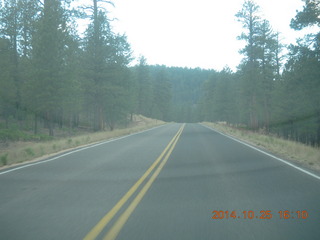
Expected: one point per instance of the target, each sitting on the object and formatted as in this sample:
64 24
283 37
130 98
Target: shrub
29 152
4 159
69 141
17 135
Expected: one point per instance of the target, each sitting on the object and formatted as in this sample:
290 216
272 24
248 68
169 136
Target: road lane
65 198
206 171
152 173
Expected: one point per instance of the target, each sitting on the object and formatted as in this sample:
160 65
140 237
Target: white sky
194 33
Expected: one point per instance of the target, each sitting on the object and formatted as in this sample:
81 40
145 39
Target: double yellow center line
119 223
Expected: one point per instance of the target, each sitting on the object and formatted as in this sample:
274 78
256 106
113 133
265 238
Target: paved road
164 183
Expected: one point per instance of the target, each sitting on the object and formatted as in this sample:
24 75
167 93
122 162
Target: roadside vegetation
299 153
30 149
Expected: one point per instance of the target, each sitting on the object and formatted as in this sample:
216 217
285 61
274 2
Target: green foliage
220 97
69 141
55 147
4 159
308 16
50 77
259 67
162 96
143 88
106 85
48 61
18 135
29 152
179 92
61 76
258 95
8 88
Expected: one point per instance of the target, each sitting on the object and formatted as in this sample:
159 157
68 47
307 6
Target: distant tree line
167 93
177 92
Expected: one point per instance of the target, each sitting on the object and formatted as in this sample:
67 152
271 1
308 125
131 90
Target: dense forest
52 76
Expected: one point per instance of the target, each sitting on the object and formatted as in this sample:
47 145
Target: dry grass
18 152
293 151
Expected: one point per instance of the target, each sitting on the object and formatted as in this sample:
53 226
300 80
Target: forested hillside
51 76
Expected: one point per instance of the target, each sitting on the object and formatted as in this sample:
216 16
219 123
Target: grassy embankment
295 152
15 152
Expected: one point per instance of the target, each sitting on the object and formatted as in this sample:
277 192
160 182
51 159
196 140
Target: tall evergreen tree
269 70
260 66
9 15
144 89
302 77
48 54
117 105
7 89
251 21
106 58
162 96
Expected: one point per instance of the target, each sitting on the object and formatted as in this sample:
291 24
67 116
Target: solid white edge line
77 150
268 154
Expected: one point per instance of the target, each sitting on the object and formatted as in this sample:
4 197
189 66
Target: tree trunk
35 124
50 123
266 114
50 128
318 130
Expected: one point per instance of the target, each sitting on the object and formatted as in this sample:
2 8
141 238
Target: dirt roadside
297 153
13 154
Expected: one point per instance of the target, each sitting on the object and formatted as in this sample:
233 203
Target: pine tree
259 68
251 21
302 76
269 70
106 58
144 89
7 89
117 105
9 30
48 54
162 96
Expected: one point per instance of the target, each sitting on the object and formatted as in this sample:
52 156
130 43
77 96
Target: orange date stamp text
263 214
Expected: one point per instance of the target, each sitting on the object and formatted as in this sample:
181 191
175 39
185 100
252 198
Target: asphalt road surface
178 181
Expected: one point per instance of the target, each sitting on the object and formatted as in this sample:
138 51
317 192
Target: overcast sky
194 33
